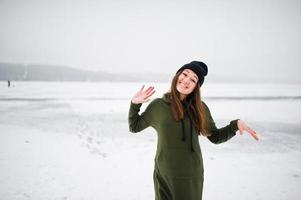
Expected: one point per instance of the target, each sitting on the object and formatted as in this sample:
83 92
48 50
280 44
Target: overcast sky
235 38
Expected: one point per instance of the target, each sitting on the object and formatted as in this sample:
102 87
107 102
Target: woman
179 117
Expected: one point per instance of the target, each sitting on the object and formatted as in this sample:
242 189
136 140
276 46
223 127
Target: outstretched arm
220 135
138 122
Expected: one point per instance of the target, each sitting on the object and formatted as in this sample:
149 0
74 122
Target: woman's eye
193 80
184 74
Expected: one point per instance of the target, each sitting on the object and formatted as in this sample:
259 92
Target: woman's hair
193 106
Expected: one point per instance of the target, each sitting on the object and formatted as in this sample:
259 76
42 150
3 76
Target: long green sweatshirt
178 173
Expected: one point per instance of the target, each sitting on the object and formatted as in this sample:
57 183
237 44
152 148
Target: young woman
179 117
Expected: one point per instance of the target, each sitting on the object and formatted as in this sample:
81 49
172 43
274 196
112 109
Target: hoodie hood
165 98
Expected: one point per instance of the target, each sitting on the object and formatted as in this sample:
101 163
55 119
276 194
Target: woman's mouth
183 85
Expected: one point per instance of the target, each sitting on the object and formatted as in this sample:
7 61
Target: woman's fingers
141 89
243 127
152 92
143 96
253 134
147 97
149 90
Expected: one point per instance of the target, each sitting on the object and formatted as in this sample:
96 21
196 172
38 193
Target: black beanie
199 68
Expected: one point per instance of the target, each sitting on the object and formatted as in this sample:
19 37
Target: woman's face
186 82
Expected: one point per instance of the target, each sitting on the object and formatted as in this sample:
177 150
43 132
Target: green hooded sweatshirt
179 172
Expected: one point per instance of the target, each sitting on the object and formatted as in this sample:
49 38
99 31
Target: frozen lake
71 141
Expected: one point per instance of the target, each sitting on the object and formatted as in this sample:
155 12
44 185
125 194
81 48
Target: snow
71 141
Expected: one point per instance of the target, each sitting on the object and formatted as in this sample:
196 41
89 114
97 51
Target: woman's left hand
243 127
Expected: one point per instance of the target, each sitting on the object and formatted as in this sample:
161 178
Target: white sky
239 38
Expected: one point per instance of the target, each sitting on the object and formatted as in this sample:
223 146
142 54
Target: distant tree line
36 72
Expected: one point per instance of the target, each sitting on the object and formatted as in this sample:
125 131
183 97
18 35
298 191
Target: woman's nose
186 81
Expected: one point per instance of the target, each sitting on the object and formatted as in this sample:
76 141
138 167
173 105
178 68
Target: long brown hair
193 106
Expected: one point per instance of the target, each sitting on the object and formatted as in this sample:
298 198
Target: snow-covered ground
71 141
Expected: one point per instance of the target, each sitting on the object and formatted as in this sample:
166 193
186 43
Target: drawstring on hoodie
190 122
183 130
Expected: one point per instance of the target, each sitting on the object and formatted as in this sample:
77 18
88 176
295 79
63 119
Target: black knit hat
198 67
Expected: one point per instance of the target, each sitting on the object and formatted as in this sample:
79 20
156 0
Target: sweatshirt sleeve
139 122
219 135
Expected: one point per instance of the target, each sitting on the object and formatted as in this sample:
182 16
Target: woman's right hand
143 96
